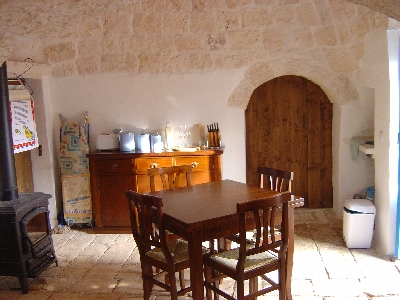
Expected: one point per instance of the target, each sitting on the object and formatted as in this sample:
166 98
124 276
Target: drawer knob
114 166
194 164
153 165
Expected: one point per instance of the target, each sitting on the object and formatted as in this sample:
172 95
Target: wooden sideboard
114 172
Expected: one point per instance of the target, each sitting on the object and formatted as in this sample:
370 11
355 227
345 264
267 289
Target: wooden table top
203 205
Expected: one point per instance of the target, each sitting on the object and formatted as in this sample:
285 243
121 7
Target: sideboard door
114 206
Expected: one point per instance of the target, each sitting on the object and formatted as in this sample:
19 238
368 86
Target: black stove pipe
8 177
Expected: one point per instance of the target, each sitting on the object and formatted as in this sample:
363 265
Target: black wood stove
26 245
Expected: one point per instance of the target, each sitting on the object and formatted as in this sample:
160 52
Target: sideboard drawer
199 163
115 166
143 164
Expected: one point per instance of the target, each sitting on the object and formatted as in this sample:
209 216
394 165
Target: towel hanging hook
21 78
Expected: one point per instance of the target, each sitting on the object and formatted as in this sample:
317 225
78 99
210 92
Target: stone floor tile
129 271
78 243
381 286
304 244
338 287
102 271
362 297
329 241
88 285
310 216
66 254
86 258
302 230
335 253
52 284
60 240
65 295
132 285
92 296
308 265
76 270
342 270
323 230
134 258
125 238
302 287
394 297
105 239
96 249
114 258
53 270
295 297
135 297
32 295
127 247
380 269
169 298
84 234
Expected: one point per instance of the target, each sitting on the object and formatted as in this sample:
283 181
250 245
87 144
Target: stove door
32 235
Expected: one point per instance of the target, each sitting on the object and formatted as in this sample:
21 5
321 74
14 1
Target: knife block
214 139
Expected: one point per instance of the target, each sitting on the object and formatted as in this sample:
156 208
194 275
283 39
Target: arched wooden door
289 127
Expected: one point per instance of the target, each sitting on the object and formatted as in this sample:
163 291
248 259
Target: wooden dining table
207 211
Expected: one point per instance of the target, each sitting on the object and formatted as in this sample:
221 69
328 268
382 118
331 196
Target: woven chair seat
229 259
251 235
178 248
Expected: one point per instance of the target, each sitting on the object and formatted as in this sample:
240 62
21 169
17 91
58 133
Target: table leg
196 265
289 266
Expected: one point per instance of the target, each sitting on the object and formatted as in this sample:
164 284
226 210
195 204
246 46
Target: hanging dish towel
354 144
23 125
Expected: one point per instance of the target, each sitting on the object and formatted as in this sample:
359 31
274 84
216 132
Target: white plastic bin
358 223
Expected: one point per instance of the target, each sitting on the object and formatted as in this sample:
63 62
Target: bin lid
360 205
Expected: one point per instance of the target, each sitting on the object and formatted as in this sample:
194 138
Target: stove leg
24 284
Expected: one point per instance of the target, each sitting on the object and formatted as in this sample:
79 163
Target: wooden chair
154 249
171 177
275 179
269 178
251 260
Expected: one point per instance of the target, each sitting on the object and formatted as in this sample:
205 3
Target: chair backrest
171 176
265 215
275 179
146 222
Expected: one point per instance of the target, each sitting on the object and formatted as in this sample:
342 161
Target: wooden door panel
289 127
320 148
23 171
314 152
274 121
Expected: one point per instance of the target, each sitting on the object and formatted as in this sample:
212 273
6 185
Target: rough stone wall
320 38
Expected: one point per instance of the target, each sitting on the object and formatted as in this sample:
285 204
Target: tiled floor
95 265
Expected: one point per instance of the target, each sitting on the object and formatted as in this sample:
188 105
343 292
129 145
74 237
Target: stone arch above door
339 87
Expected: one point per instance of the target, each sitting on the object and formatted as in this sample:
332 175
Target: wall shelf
367 149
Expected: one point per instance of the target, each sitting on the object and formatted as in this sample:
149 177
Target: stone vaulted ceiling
66 34
48 17
391 8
